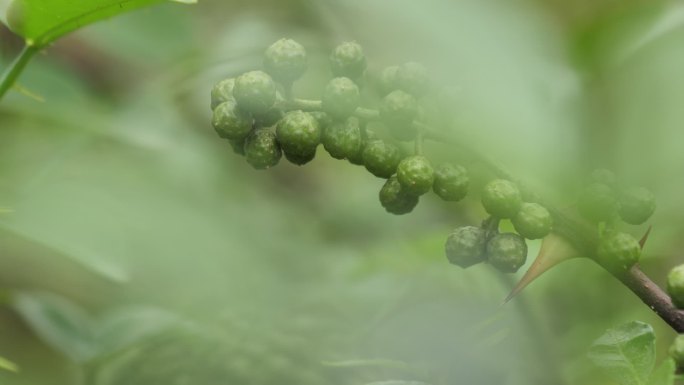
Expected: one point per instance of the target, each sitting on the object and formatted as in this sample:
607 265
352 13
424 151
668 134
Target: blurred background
136 248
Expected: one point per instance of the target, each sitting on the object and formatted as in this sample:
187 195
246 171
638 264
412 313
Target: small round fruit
387 80
533 221
604 176
285 60
501 198
347 59
415 174
507 252
451 182
677 351
341 98
675 286
343 139
300 159
597 202
465 246
398 110
412 77
222 92
230 122
262 149
381 158
255 92
394 199
636 205
618 251
298 133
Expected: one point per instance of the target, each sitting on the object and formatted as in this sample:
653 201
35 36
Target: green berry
238 145
347 59
507 252
451 182
230 122
395 199
597 202
298 133
675 286
501 198
300 159
677 351
412 78
465 246
341 98
415 174
367 135
285 60
262 149
533 221
268 118
255 92
387 80
222 92
619 250
398 110
604 176
343 139
381 158
636 205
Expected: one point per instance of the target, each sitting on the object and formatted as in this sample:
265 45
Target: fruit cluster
469 245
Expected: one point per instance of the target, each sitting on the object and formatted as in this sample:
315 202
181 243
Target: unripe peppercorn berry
387 80
238 145
300 159
343 139
415 174
636 205
222 92
347 59
533 221
341 98
675 286
381 158
298 133
398 110
285 60
367 135
501 198
230 122
618 251
507 252
597 202
395 199
262 149
451 182
413 78
255 92
465 246
677 351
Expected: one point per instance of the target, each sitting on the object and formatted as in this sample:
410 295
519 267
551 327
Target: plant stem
582 236
9 77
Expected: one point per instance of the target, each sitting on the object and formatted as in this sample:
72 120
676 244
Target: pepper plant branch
11 74
578 233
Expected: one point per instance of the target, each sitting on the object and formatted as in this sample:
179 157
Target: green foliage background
120 197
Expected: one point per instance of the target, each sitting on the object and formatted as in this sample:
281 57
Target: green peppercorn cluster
262 121
507 252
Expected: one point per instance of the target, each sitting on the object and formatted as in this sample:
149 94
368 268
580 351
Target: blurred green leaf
43 21
626 353
665 374
8 365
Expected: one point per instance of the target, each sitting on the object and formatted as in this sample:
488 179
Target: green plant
404 117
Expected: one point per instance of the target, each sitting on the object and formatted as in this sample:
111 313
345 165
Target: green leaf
626 353
41 22
665 374
8 365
